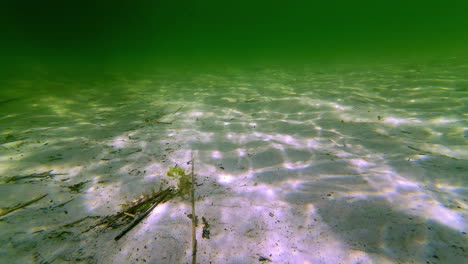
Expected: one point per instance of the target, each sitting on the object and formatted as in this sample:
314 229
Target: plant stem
194 216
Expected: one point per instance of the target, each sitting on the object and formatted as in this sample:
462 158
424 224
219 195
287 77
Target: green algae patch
184 180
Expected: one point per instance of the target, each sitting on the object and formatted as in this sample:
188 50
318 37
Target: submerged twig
5 211
128 215
79 221
62 204
194 216
160 115
161 122
158 200
41 175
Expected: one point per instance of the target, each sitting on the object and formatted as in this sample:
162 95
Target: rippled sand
340 164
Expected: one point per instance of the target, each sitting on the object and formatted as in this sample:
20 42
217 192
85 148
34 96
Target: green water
90 38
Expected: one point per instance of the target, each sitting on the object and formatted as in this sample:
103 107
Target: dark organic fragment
5 211
40 176
77 187
206 229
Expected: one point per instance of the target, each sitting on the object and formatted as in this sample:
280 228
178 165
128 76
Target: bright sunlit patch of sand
196 114
280 138
225 178
278 146
446 217
75 171
290 140
231 100
360 163
293 184
119 142
358 256
407 195
216 154
443 120
310 209
266 191
312 143
337 106
241 152
401 182
453 189
400 121
296 165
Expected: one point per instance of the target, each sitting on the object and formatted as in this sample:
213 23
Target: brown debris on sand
5 211
40 176
135 213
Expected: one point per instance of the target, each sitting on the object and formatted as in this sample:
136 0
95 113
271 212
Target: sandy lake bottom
343 164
